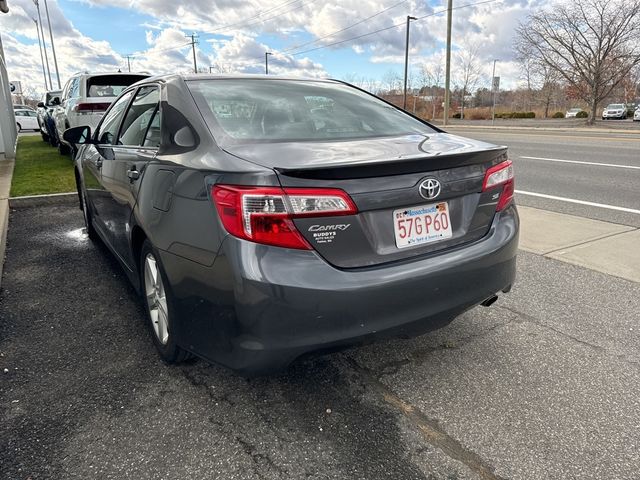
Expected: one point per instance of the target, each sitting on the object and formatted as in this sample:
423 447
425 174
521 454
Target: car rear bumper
259 307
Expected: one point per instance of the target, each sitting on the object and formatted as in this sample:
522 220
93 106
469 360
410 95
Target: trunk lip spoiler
414 164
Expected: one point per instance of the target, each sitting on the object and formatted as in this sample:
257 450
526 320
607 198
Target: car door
97 158
135 147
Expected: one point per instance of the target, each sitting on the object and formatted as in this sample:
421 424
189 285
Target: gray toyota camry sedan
263 218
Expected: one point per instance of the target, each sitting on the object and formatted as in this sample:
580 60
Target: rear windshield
110 85
254 110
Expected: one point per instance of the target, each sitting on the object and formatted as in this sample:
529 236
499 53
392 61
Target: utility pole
53 48
128 62
44 73
447 75
266 62
193 47
494 87
406 63
44 43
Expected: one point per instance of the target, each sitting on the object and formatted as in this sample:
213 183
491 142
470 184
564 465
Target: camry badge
429 188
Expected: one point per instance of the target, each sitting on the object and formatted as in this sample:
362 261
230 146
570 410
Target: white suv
85 97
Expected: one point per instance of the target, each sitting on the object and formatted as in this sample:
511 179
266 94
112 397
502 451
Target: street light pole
406 63
447 81
266 62
44 73
53 48
494 88
44 43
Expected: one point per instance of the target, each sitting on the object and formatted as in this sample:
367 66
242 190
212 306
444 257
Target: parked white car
615 110
572 112
26 120
636 115
85 97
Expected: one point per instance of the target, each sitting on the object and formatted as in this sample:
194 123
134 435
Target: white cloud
230 28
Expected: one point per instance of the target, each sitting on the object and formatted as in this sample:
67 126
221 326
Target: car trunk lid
383 177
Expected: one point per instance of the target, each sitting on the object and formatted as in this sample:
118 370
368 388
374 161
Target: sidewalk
605 247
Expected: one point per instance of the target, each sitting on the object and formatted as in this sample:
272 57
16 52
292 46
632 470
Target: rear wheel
158 305
19 127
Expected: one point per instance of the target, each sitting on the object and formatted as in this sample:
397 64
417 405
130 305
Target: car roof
206 76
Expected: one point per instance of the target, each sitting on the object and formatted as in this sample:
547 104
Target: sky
313 38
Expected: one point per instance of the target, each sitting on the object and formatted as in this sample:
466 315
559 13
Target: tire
86 213
63 149
53 141
156 299
19 127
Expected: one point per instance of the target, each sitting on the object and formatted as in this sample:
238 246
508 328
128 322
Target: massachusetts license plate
422 224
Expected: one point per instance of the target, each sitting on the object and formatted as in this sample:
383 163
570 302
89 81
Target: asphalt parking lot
544 384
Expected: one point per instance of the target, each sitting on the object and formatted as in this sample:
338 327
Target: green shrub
457 115
530 115
582 114
558 115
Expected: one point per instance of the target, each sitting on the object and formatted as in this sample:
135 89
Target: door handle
133 174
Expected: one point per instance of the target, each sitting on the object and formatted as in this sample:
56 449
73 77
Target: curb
546 129
29 201
6 173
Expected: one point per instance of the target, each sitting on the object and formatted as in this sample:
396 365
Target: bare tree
432 75
591 44
392 81
468 74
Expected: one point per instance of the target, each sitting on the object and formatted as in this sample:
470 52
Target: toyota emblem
430 188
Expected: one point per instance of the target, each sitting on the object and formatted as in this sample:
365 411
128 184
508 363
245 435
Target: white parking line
631 167
580 202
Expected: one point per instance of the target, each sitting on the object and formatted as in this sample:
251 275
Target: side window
74 89
65 91
108 129
140 117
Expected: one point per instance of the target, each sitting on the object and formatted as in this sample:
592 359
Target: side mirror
77 135
55 101
40 104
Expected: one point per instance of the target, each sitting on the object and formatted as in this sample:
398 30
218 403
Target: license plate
422 224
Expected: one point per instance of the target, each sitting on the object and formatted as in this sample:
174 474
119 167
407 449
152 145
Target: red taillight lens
500 174
91 107
265 214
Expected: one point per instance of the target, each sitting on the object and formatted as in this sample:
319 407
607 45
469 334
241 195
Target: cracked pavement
544 384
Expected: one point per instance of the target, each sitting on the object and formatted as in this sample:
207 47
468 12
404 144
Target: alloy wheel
156 299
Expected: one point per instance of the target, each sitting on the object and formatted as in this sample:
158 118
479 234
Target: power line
345 28
392 26
144 54
262 20
243 22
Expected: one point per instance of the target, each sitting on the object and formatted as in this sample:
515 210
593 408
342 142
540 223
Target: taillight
500 174
265 214
91 107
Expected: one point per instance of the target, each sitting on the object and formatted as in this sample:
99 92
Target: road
543 384
542 166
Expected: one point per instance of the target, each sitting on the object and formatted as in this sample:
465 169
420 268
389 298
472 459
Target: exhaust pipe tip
489 301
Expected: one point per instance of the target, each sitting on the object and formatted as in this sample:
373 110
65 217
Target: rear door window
140 117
